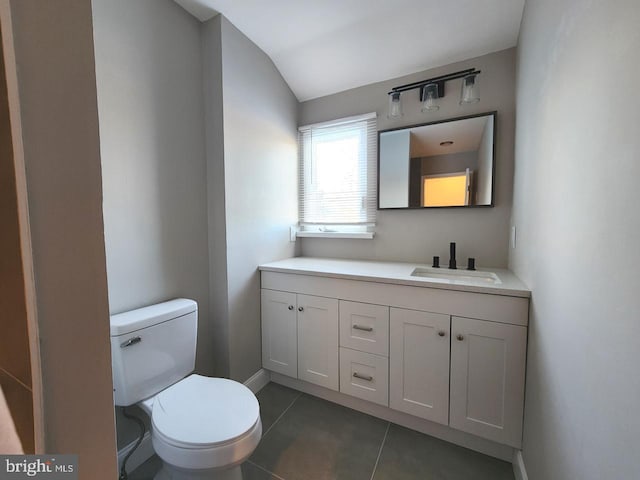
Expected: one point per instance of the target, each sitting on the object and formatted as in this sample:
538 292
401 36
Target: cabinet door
279 332
487 379
419 364
364 327
318 341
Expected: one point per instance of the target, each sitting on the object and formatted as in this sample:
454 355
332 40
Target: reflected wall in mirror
442 164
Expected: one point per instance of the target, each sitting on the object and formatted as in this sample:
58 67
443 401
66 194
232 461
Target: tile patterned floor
306 438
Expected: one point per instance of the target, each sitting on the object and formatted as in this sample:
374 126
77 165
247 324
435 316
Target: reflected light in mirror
445 191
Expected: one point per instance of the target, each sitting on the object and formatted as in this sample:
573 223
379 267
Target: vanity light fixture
395 104
429 95
469 93
432 89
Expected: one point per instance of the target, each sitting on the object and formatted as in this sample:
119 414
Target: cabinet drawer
364 375
364 327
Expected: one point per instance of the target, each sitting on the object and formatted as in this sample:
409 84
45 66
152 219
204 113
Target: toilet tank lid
127 322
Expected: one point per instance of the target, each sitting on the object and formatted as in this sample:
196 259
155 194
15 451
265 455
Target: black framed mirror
444 164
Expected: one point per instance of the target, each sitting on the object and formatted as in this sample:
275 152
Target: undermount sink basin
458 276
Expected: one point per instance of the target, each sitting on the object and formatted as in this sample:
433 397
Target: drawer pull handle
290 307
368 378
460 337
363 328
300 309
441 333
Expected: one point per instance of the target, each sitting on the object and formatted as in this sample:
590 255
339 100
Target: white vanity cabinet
487 378
279 332
364 375
318 341
364 351
364 327
300 336
426 355
419 356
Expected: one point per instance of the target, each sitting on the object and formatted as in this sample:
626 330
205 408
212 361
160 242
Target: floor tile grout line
281 415
384 439
265 470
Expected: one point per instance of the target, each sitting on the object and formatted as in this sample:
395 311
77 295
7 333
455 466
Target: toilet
201 427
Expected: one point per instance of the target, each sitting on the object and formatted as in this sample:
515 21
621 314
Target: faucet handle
436 261
452 256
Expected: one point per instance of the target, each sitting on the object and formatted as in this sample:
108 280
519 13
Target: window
338 176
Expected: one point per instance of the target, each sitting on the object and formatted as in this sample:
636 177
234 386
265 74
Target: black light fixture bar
437 80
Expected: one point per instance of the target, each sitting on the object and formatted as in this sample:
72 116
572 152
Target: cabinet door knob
441 333
460 337
290 307
300 309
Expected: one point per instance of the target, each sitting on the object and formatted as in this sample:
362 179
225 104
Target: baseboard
143 453
518 466
443 432
258 380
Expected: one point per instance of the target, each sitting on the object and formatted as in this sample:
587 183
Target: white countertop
395 273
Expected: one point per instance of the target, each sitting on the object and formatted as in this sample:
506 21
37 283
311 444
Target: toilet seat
203 422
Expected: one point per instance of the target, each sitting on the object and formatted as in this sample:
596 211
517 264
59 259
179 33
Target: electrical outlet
513 237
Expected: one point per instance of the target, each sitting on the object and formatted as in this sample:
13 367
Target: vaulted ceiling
325 46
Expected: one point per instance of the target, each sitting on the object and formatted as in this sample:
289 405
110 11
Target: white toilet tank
151 348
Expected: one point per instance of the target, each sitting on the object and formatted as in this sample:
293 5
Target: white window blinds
338 172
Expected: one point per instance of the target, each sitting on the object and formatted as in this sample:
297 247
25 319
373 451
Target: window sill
356 235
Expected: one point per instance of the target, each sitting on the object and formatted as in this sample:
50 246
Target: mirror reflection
443 164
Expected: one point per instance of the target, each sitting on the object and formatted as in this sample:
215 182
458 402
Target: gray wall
259 164
450 163
149 79
211 38
260 150
149 82
415 236
578 231
59 120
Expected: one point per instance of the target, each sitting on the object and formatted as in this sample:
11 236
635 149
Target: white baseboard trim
258 380
518 466
143 453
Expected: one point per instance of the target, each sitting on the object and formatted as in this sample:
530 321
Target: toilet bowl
202 428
